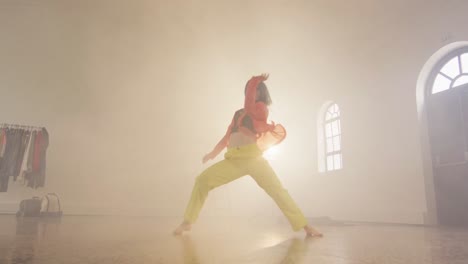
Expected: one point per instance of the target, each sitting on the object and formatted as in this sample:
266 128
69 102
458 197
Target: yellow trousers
238 162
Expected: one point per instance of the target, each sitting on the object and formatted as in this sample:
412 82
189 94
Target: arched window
452 74
330 155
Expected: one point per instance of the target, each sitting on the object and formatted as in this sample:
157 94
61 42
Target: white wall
135 92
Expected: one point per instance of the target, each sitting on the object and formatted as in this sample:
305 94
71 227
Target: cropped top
252 121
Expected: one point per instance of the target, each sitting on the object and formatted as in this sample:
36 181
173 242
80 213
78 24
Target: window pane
452 68
337 161
464 60
335 130
329 145
337 143
337 109
328 130
460 81
330 162
441 83
332 112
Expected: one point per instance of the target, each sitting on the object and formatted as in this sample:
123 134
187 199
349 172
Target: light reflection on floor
149 240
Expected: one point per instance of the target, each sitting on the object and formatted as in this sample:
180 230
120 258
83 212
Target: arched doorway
445 110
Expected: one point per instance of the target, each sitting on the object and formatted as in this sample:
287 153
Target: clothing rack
23 155
26 127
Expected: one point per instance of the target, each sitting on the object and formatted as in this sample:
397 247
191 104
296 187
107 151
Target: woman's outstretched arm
220 146
257 110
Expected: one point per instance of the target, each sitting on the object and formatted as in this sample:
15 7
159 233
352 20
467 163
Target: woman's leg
216 175
266 178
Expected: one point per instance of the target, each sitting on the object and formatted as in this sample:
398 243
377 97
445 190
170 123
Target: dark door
448 131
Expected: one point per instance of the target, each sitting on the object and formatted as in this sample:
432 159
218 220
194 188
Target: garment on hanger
36 176
24 164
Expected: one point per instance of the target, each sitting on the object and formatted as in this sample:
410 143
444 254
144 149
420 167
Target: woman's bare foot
311 232
182 228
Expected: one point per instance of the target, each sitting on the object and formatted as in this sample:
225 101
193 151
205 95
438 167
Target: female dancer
247 137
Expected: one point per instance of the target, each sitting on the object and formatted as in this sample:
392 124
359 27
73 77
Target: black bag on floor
30 207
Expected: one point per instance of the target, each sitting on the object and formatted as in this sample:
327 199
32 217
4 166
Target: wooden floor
148 240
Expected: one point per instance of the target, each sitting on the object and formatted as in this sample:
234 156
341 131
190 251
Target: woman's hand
262 77
206 158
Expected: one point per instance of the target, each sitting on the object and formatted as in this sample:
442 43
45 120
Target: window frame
325 121
439 66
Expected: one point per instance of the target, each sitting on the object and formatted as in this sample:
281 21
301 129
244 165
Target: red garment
2 142
266 135
36 164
